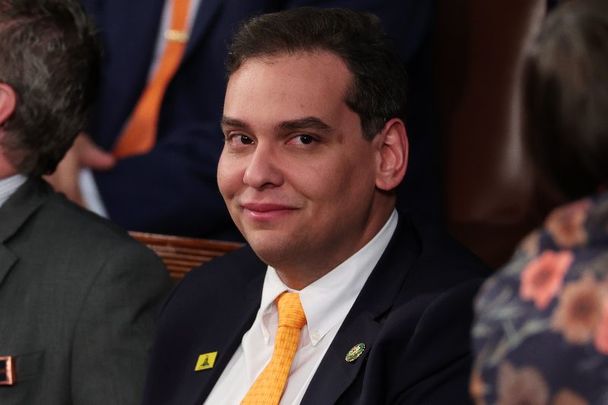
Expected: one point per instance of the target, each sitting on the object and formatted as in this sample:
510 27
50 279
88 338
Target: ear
393 149
8 99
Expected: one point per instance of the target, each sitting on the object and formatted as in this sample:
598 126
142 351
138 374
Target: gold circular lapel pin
355 352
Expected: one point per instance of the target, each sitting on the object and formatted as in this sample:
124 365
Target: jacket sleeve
437 362
114 329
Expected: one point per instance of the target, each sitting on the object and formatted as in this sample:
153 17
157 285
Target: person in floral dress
541 329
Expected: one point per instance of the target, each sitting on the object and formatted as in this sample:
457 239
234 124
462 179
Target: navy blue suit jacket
413 315
173 188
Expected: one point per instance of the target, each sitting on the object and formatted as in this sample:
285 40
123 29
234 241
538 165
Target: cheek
337 182
227 175
356 183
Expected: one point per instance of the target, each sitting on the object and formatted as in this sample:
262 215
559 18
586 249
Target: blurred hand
83 154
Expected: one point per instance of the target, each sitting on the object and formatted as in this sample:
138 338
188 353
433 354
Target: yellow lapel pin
205 361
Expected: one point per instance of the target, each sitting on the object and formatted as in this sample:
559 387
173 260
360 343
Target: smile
266 211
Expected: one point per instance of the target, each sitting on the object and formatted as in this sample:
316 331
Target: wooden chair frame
181 254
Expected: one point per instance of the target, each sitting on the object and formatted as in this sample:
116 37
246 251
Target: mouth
266 211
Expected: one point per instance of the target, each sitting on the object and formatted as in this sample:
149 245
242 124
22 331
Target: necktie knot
291 313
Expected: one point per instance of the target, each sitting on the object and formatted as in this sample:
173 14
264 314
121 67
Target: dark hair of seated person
565 104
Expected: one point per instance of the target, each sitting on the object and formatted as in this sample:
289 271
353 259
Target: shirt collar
9 185
326 302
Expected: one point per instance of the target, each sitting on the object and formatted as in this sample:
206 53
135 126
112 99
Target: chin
272 251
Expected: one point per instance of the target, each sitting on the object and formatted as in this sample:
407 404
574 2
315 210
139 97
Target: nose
263 169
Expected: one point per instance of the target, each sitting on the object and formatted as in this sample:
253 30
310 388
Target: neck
299 280
6 168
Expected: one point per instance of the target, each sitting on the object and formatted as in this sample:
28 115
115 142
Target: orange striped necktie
270 384
139 134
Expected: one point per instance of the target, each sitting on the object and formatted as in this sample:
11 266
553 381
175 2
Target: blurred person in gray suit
77 295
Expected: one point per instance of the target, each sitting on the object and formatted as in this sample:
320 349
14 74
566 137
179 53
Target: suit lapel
141 25
364 320
14 213
335 374
244 318
129 30
204 17
7 259
231 321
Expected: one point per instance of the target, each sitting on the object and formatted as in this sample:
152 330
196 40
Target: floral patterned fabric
541 329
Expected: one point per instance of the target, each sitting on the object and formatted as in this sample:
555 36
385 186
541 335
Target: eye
237 139
245 140
302 139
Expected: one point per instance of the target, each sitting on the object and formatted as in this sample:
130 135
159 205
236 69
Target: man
315 145
76 293
171 188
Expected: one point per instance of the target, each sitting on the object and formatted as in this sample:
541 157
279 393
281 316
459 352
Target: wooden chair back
181 254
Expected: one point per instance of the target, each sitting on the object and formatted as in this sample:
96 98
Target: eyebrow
233 122
290 125
305 123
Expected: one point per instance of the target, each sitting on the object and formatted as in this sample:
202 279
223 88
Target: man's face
296 173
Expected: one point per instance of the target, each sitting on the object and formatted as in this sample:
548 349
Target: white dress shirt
88 188
326 302
9 185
